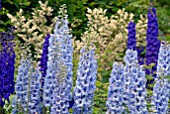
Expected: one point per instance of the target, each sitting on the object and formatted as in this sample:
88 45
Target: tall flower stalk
20 102
161 88
135 83
44 58
131 42
60 51
115 102
85 83
153 43
60 102
35 103
28 86
7 61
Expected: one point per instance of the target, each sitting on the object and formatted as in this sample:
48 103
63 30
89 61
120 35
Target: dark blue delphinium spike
153 43
7 61
141 56
131 42
44 58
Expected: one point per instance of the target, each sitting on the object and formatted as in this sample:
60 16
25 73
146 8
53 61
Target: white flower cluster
33 29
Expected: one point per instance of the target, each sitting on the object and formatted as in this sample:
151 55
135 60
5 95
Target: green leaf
99 83
149 77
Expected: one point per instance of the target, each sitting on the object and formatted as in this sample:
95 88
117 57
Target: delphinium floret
114 102
85 83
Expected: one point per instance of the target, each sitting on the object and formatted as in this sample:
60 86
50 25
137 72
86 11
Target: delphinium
20 102
43 62
60 102
60 50
153 44
131 41
62 29
7 61
114 102
134 85
161 90
85 83
35 103
44 58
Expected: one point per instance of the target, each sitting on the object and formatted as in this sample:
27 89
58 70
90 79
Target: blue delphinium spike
7 61
60 100
60 50
131 42
161 90
52 66
35 103
114 102
85 83
153 43
135 82
21 87
44 58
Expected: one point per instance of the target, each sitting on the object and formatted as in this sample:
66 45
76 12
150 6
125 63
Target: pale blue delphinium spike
161 90
60 104
135 83
20 103
52 65
35 104
60 51
114 102
85 83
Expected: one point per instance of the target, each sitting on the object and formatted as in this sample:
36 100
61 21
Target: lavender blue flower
135 83
60 104
131 42
161 88
35 104
85 83
21 87
153 43
27 89
52 67
115 102
60 50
